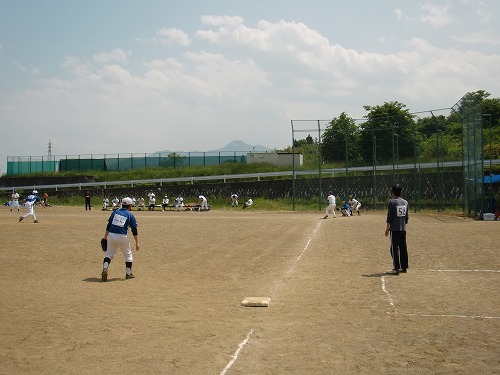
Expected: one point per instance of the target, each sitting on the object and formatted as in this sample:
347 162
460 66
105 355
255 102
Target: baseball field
332 308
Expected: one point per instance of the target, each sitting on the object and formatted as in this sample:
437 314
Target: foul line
274 290
497 271
292 268
391 301
454 316
236 354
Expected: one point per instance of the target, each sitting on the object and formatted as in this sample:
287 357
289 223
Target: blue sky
137 77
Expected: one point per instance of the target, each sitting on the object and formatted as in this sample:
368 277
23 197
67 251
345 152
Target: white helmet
35 191
127 201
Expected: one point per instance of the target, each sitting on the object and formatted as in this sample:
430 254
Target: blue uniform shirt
32 198
120 220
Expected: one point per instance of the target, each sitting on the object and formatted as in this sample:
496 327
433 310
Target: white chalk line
453 316
237 353
494 271
292 268
391 301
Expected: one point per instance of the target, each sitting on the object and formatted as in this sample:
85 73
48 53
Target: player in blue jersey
116 236
30 203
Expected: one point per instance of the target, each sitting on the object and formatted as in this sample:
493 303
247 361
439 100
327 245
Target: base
256 302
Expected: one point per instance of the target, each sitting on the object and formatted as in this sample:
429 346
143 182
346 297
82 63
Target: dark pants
399 251
87 204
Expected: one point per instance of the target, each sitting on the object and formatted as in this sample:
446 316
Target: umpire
397 218
116 238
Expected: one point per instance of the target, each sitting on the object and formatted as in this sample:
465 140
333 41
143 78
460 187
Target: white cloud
487 37
484 14
170 37
117 55
436 15
401 17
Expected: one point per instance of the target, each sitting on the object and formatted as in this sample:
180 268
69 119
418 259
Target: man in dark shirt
397 218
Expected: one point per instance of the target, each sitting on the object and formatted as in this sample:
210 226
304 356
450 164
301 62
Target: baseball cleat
20 219
127 276
35 221
393 272
104 274
403 270
326 217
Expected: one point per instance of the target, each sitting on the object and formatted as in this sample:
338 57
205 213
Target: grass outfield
332 309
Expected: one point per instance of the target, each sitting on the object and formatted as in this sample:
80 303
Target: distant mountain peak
236 146
241 146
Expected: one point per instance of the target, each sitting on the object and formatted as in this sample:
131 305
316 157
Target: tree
307 147
340 134
392 128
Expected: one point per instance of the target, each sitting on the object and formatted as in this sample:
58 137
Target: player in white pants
203 203
234 200
249 202
179 203
355 204
116 234
15 202
332 206
30 206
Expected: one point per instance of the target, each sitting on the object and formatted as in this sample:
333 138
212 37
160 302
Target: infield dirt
332 309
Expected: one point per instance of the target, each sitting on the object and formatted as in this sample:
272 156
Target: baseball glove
104 244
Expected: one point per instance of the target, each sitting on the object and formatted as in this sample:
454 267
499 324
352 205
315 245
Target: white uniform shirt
331 200
152 198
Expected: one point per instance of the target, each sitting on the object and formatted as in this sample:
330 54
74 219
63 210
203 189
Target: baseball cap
127 201
35 191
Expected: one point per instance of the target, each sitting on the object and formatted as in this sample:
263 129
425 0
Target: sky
123 76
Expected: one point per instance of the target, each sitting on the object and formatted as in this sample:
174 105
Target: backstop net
469 110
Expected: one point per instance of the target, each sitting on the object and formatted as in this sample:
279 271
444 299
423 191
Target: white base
256 302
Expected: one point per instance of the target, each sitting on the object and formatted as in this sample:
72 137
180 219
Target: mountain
242 146
239 147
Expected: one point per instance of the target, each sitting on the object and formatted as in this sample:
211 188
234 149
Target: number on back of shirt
119 220
401 211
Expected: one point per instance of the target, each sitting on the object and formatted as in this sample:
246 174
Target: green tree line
389 131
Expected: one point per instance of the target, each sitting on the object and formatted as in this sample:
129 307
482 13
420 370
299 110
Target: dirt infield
332 310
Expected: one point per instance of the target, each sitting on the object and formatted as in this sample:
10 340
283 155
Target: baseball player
165 202
115 203
29 203
234 200
397 218
345 209
117 240
355 204
332 206
179 202
15 202
203 203
249 202
105 204
151 201
140 204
